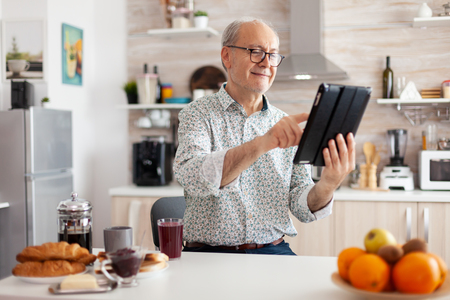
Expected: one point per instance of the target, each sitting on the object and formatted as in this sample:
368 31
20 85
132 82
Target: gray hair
231 33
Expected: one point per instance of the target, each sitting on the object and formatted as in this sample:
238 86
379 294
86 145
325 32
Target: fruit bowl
444 290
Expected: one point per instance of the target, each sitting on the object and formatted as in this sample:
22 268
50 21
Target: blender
397 175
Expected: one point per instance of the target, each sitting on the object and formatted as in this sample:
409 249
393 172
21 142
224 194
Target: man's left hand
338 164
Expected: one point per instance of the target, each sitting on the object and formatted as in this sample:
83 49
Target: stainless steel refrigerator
35 175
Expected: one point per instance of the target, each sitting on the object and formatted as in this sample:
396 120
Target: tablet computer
336 109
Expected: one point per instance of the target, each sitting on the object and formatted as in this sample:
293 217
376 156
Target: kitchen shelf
178 32
153 106
431 22
418 111
428 101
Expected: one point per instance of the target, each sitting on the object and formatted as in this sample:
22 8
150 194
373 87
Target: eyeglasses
258 55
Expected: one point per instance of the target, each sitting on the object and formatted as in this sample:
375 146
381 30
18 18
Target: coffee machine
22 94
397 175
152 162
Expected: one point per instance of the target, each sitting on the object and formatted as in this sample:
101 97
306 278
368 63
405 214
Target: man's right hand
284 134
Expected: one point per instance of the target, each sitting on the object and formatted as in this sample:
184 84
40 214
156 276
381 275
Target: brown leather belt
239 247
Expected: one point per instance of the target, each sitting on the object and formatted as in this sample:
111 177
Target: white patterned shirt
254 208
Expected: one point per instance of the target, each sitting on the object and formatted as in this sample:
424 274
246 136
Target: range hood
306 61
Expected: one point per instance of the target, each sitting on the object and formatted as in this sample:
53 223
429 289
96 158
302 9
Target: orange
369 272
416 273
345 259
442 267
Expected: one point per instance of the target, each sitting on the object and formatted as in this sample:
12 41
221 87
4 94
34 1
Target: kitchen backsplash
358 35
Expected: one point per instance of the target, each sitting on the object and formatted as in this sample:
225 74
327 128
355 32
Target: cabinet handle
4 205
426 223
408 223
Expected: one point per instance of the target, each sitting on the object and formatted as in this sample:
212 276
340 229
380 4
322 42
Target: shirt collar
226 100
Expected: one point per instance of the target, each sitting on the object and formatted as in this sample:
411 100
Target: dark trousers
280 249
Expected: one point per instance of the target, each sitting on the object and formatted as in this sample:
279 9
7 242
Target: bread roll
56 251
50 268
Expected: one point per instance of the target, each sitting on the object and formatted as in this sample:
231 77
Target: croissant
50 268
56 251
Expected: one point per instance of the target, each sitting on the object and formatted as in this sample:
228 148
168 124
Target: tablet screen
336 109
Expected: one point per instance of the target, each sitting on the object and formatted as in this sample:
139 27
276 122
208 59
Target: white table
216 276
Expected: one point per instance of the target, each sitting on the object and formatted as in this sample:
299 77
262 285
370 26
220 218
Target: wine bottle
158 85
388 80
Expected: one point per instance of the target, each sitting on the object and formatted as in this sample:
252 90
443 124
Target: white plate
143 275
46 280
444 290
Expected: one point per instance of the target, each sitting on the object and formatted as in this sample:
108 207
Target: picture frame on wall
24 50
72 55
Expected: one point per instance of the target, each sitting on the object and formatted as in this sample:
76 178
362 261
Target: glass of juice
170 233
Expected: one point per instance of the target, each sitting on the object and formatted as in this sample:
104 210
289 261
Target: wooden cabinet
134 212
433 226
346 227
353 219
314 239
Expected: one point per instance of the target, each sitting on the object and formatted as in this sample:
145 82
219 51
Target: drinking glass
125 263
170 233
431 138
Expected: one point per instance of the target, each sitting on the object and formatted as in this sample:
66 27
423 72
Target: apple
378 237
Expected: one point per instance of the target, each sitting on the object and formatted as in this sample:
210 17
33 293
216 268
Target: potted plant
201 19
44 101
130 89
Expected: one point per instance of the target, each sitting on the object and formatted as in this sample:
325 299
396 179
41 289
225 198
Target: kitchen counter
171 190
344 193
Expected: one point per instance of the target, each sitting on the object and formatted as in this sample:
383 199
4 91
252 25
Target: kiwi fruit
390 253
415 245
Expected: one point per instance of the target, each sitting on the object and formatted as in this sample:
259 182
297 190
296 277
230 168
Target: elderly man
235 156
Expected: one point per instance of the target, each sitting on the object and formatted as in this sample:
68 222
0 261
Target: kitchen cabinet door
314 239
433 224
353 219
138 208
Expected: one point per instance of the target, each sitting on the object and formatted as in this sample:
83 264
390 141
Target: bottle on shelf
158 85
388 80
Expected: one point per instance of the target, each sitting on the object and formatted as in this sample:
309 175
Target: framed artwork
72 55
23 50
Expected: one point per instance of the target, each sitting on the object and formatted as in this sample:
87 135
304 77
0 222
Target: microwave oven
434 170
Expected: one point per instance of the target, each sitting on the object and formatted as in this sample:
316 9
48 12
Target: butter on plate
80 281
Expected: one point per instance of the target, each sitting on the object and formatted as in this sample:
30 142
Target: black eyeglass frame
264 57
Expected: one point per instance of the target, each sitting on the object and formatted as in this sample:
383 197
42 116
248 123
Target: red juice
171 238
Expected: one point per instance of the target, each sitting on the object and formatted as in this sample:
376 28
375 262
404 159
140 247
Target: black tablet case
336 109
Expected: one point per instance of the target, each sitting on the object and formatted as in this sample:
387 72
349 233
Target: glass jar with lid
75 221
446 89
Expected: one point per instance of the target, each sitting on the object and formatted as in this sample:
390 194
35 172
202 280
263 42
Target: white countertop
344 193
215 276
171 190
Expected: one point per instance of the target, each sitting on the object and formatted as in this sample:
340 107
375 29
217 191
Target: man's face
254 77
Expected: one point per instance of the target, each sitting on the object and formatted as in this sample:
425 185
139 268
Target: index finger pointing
300 117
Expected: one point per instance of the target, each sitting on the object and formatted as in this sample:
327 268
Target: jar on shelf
181 18
446 89
166 91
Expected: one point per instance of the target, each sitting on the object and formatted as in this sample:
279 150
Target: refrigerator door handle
4 205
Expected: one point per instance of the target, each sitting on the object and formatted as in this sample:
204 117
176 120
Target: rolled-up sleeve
301 185
194 166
